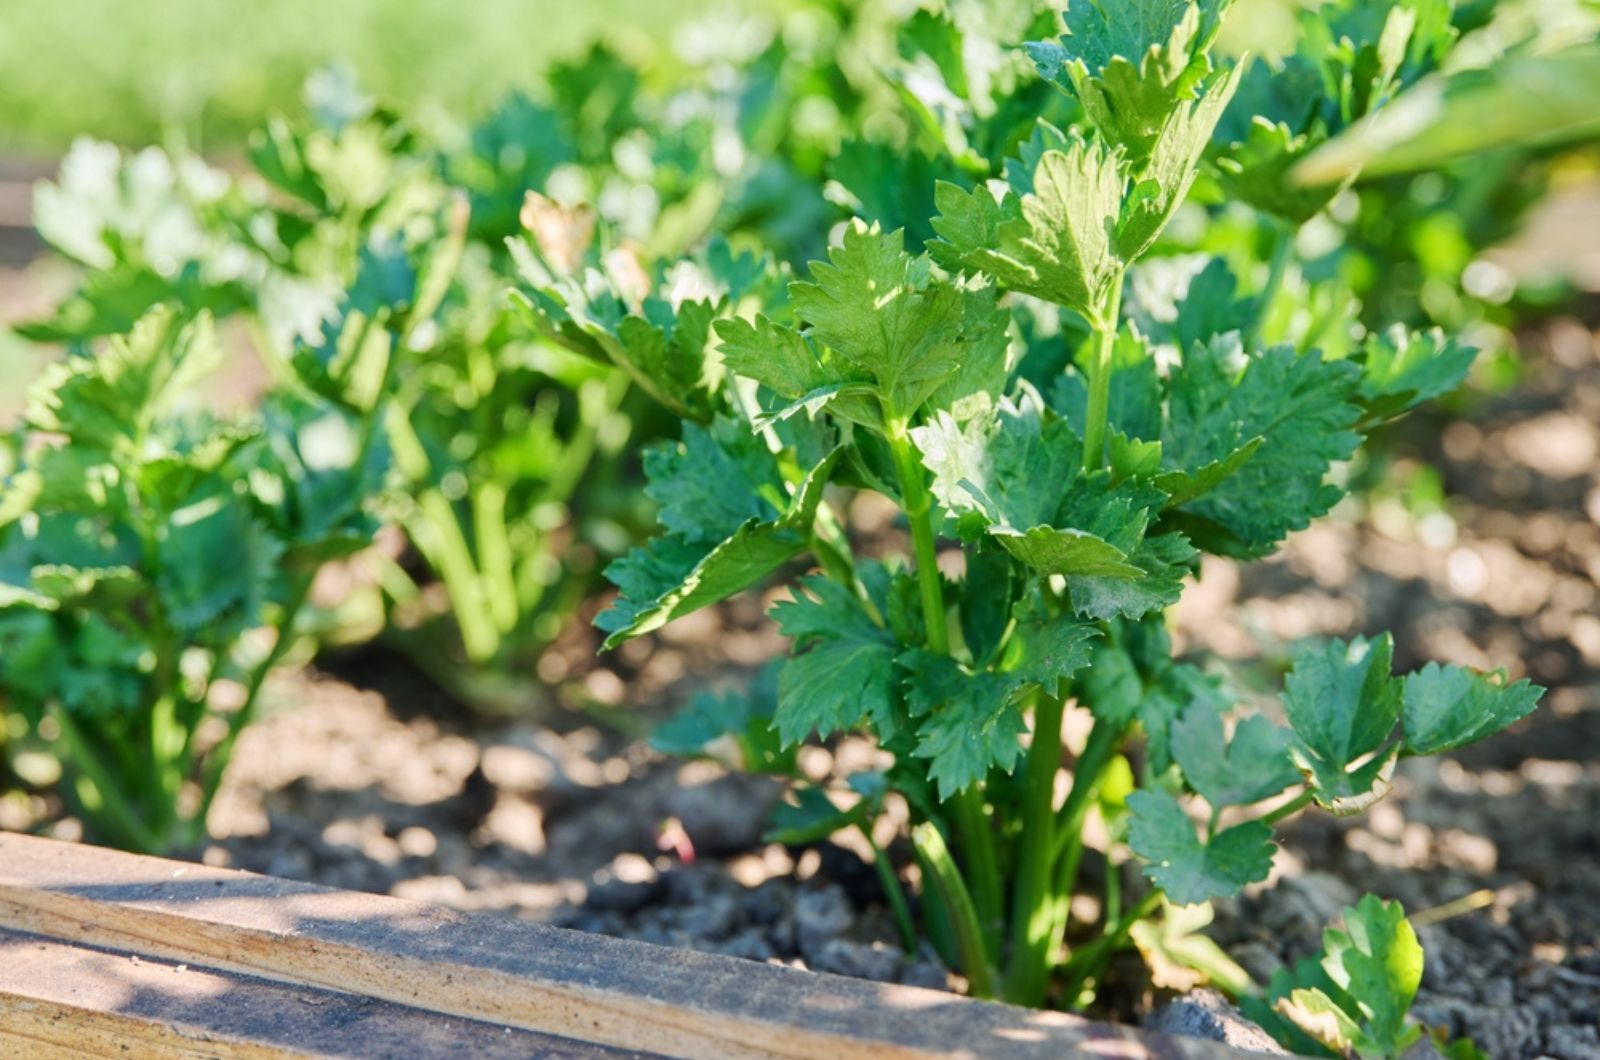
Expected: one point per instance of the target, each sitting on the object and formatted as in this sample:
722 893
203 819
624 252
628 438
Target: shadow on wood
256 934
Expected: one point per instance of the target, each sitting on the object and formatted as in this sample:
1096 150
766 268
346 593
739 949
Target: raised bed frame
110 954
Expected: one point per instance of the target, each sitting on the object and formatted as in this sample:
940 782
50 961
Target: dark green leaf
843 672
1447 707
1401 369
1344 704
1188 870
1055 241
968 723
1252 766
1297 404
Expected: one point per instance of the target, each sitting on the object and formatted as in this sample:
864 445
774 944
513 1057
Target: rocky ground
364 776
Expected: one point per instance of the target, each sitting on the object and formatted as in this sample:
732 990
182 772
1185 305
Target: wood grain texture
60 999
578 986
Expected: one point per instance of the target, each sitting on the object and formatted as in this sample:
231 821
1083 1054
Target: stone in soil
1207 1014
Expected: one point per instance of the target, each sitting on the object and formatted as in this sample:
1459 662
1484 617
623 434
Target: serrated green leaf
1447 707
1255 170
1005 468
315 477
655 324
218 565
1175 691
674 576
1252 766
843 671
1050 550
1046 649
1162 562
967 723
1344 704
1188 870
733 726
790 364
1351 56
113 399
1112 687
892 187
713 481
1298 405
1131 64
988 594
1173 165
1130 458
778 357
881 310
1012 474
1055 241
1401 369
1181 487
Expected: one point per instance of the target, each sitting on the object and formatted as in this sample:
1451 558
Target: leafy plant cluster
497 437
1061 320
1054 507
142 547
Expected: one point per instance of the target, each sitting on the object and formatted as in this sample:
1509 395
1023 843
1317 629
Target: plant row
1068 316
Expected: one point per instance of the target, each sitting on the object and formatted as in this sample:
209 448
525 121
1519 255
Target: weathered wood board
57 999
443 979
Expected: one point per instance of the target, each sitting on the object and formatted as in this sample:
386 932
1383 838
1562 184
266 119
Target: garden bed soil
364 776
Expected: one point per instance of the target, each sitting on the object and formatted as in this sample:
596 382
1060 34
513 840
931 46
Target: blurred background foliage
211 72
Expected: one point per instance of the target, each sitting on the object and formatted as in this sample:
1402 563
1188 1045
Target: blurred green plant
496 431
143 546
212 73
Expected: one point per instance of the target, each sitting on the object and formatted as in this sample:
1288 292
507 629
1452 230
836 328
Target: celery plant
1051 519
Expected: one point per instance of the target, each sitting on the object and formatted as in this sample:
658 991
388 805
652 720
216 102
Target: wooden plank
527 976
57 999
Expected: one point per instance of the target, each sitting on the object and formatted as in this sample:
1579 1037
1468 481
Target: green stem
169 754
1294 805
895 894
439 537
977 839
1100 370
1033 902
498 578
116 807
1090 961
1104 740
918 504
596 403
216 762
977 842
1277 265
939 869
1113 892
